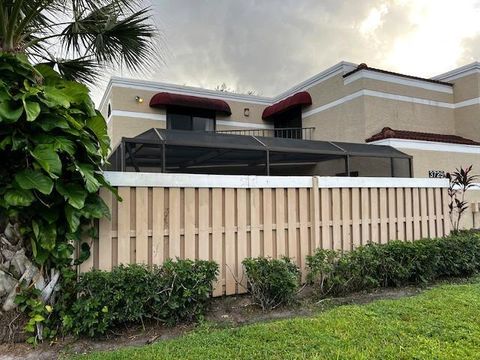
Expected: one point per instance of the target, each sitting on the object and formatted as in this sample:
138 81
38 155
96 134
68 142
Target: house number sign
436 173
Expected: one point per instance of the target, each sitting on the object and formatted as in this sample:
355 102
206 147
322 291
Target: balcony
287 133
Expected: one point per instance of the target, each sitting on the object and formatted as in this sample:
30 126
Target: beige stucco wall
467 122
467 118
449 161
360 118
466 87
402 115
423 161
124 99
345 122
330 90
357 119
130 127
406 90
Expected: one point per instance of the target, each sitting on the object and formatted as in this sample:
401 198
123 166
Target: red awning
302 98
164 99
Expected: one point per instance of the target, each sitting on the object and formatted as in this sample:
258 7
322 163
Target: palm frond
85 70
77 36
110 38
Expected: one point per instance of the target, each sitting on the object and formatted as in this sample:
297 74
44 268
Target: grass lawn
442 323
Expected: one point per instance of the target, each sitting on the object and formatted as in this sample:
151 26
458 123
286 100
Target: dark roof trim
365 67
164 99
389 133
302 98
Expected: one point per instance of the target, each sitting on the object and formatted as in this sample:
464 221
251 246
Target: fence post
446 212
315 215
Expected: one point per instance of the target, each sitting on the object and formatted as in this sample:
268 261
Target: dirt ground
224 312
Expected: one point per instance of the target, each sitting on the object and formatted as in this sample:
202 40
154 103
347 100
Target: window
109 110
289 124
190 119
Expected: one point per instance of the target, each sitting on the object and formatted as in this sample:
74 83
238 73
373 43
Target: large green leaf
73 193
50 215
63 144
50 123
88 174
89 145
47 236
32 109
73 218
95 208
9 113
99 127
48 159
19 197
74 122
34 179
56 97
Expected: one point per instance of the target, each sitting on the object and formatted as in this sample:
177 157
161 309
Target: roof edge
462 71
187 90
365 67
389 133
341 67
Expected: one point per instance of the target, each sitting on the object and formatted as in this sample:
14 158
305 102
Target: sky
267 46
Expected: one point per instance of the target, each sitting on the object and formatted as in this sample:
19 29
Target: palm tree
76 37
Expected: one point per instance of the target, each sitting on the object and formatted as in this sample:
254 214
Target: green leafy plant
271 282
29 301
321 267
461 180
53 143
397 263
175 292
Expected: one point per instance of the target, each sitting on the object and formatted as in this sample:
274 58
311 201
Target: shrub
177 291
395 264
271 282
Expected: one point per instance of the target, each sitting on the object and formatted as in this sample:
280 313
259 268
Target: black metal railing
287 133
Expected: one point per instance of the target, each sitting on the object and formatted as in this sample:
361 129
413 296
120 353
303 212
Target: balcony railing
288 133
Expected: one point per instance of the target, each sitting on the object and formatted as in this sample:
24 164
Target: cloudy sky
270 45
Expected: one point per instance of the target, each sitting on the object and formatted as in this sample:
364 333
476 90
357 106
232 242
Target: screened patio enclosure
176 151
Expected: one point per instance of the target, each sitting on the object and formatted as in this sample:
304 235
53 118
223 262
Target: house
403 125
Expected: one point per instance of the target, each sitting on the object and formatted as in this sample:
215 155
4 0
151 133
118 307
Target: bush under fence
397 263
175 292
179 291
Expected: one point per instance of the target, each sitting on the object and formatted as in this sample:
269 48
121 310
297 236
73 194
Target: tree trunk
16 268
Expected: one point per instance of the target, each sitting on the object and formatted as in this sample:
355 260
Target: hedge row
179 290
275 282
175 292
395 264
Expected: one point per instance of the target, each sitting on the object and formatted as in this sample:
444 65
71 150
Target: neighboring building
437 121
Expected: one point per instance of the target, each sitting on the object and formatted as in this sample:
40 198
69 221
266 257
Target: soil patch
11 327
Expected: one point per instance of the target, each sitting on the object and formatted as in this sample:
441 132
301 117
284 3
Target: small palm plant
461 180
76 37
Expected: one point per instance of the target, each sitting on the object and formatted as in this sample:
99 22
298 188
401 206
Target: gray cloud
270 45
